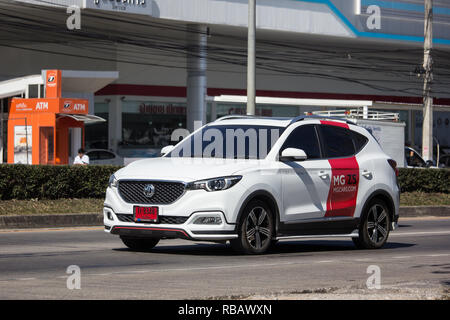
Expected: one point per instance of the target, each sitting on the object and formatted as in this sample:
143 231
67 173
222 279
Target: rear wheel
374 226
139 244
255 229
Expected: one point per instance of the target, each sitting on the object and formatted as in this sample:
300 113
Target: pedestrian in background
81 158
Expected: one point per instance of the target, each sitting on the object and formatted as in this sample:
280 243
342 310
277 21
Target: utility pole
251 59
427 129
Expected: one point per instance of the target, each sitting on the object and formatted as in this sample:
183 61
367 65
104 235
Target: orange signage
52 105
36 134
53 84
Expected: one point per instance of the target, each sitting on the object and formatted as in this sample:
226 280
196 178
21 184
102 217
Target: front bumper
187 230
177 220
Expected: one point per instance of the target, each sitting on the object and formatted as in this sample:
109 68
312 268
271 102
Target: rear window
359 140
337 141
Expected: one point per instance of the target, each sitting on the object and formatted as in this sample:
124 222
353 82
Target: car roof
272 121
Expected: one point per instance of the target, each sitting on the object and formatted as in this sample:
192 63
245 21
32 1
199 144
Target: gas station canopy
72 81
86 118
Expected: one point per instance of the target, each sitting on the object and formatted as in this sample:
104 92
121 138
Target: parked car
102 156
414 160
309 177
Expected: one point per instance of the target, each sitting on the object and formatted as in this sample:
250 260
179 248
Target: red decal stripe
334 123
343 192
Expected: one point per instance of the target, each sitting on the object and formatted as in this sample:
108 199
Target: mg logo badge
149 190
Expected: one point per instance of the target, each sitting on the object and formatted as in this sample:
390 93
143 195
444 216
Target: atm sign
42 105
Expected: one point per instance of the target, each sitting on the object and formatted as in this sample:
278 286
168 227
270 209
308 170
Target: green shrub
54 182
424 180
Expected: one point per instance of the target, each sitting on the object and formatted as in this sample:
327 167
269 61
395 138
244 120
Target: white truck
384 126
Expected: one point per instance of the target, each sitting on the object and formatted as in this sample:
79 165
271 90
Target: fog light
208 220
109 215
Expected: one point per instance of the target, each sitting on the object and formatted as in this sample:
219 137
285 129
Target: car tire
255 229
374 226
139 244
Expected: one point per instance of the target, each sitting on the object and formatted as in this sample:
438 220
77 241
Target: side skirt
327 227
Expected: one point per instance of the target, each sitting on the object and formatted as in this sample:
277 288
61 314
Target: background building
174 56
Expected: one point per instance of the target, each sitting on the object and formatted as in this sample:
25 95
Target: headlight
215 184
112 181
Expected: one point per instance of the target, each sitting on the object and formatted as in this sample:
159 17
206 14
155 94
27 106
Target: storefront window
150 124
96 134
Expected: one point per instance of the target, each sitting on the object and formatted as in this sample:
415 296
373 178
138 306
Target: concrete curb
422 211
95 219
51 221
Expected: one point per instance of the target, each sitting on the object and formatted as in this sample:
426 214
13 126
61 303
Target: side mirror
429 163
293 154
166 149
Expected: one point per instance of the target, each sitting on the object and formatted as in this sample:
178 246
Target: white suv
253 181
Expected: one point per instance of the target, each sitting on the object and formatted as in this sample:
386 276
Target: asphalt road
33 265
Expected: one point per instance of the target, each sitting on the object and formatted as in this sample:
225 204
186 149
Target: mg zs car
253 181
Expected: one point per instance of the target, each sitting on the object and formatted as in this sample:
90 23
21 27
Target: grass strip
92 205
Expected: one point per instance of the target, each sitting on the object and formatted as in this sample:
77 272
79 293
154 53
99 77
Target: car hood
183 169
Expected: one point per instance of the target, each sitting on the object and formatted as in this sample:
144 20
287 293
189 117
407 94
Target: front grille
162 219
165 192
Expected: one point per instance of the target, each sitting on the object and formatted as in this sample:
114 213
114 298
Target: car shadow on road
282 248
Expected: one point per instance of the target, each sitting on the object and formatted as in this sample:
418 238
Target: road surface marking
424 233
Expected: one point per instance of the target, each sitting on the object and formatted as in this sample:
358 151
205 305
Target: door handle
323 174
367 174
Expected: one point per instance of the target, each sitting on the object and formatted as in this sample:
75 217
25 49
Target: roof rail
235 116
300 118
293 120
359 113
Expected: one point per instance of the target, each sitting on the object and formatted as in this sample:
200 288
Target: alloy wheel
258 231
377 224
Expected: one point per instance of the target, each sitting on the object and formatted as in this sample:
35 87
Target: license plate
145 214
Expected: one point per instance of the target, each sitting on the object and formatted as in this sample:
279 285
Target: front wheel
374 226
139 244
255 229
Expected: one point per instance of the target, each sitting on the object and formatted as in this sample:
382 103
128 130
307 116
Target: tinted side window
359 140
413 159
337 141
94 155
305 138
106 155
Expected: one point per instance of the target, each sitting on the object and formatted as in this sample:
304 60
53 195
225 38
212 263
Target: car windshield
229 142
